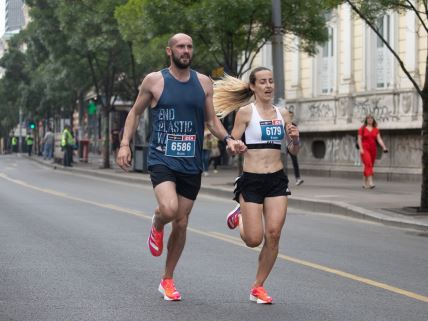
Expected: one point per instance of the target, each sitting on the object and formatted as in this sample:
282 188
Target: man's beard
180 64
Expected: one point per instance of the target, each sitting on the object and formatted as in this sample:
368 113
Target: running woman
262 189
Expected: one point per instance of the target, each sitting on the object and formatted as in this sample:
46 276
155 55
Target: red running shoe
260 295
168 290
155 240
233 217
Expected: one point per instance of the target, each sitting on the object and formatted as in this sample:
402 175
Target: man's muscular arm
144 98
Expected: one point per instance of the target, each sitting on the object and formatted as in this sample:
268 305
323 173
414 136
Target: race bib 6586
180 145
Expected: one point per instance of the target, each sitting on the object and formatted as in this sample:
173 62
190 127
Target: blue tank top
178 125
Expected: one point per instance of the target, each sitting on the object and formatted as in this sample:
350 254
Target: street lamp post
278 63
278 52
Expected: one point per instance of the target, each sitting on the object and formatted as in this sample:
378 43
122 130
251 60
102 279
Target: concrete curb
318 206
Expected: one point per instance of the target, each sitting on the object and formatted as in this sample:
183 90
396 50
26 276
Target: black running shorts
256 187
187 185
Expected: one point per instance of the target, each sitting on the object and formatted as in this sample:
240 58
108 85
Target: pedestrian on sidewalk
206 151
181 103
115 140
215 154
29 140
368 135
294 160
67 145
262 189
14 144
48 144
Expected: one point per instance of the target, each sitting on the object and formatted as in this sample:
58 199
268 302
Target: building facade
14 16
354 74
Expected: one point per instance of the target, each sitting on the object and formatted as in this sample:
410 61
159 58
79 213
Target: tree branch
133 73
94 76
241 70
208 46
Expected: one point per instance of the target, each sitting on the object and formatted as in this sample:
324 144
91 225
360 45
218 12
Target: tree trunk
106 138
424 187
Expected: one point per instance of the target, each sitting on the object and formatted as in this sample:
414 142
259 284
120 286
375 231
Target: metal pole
20 131
278 52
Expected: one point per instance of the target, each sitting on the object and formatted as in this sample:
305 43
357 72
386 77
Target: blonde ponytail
230 94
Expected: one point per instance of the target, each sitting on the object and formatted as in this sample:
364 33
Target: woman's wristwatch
297 142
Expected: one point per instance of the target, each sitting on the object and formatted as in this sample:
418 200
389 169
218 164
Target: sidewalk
388 202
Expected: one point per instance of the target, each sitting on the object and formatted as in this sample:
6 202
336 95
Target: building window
324 81
380 63
327 65
318 149
383 55
266 55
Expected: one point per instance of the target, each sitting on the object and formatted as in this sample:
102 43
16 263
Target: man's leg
49 151
167 199
175 208
177 239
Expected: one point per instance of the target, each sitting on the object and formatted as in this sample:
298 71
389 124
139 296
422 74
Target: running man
181 103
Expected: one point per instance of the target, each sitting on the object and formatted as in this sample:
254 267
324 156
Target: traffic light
92 107
31 124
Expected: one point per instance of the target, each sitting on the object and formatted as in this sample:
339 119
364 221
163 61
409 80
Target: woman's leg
275 209
251 223
373 159
368 164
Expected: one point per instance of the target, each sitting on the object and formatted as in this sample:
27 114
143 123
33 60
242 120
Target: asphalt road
74 248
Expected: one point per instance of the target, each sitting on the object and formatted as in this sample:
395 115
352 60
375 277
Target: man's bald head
178 36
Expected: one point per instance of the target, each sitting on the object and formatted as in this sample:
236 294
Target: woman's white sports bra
261 133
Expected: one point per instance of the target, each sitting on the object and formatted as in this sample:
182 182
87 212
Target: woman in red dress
368 135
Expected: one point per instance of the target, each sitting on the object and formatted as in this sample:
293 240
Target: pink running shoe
155 241
168 290
233 217
260 296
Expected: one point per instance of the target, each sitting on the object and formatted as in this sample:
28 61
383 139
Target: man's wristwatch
226 138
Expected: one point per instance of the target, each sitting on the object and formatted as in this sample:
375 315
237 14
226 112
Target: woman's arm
381 143
360 140
293 145
242 119
360 144
292 133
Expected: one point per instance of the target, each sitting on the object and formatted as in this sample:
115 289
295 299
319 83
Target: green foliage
91 30
230 33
